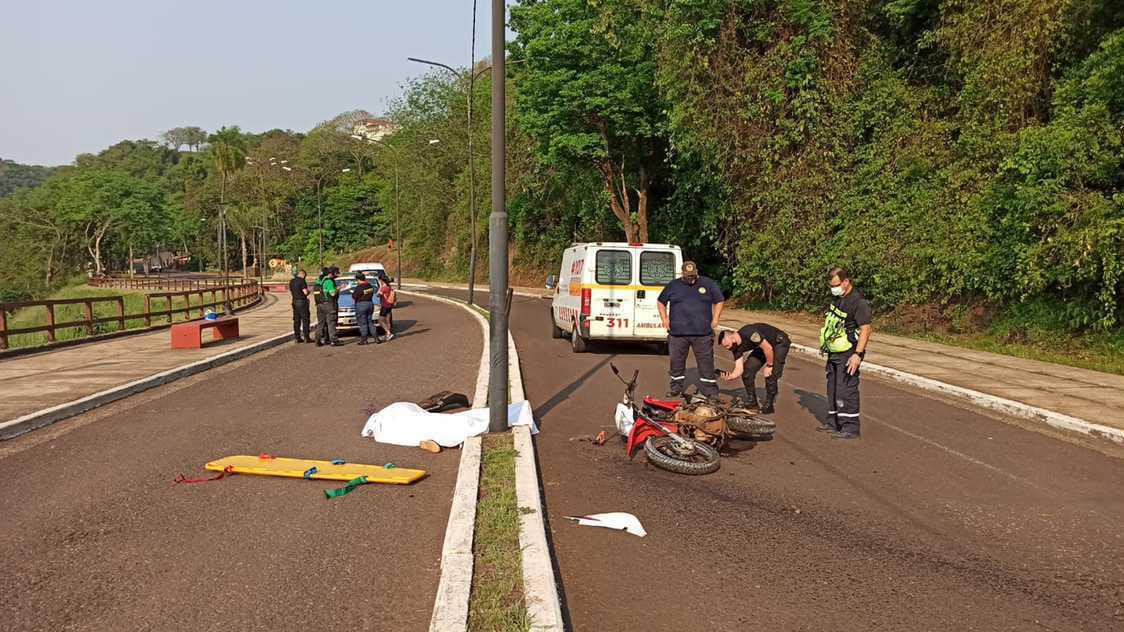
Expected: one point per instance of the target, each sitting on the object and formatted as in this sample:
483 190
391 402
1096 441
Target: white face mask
837 290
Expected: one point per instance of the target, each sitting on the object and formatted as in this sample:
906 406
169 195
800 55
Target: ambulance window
614 267
657 268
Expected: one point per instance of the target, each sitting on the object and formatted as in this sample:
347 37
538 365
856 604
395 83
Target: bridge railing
60 322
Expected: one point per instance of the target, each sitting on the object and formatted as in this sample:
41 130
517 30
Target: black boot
362 341
751 399
767 405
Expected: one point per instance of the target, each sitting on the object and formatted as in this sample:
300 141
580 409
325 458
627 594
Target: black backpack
318 294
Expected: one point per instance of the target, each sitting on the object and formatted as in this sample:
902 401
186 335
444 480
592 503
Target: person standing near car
298 288
755 346
364 295
387 298
844 337
690 307
326 295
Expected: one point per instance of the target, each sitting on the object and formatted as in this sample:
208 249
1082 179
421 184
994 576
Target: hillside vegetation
964 159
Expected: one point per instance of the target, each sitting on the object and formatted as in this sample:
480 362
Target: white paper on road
616 520
405 423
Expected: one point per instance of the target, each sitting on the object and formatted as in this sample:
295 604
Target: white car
608 291
345 315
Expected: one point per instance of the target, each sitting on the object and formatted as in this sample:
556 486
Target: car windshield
345 283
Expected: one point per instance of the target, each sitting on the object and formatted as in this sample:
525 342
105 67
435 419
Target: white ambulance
607 291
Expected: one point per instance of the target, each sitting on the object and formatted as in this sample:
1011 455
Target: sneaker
845 435
388 338
430 446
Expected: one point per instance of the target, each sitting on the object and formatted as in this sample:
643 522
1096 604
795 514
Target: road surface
94 535
940 518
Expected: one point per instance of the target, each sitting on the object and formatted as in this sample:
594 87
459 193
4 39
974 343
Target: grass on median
496 603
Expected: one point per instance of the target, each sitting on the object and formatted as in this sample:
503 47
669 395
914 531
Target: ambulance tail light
586 300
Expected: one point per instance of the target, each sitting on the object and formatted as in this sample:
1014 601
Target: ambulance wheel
579 344
555 331
667 454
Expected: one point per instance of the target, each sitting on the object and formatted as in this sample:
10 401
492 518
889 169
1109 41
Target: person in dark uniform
326 295
690 307
364 295
755 346
844 337
298 288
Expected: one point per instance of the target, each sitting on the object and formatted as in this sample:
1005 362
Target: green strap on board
346 489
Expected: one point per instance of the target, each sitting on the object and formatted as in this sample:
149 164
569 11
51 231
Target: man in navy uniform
690 307
844 338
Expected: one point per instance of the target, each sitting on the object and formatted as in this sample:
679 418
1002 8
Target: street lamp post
472 77
497 230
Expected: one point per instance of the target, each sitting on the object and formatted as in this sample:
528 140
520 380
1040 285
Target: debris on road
616 520
445 400
600 440
405 423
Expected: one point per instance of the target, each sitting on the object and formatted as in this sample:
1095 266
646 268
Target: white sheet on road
404 423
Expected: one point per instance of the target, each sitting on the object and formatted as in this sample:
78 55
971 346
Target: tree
109 204
227 156
587 94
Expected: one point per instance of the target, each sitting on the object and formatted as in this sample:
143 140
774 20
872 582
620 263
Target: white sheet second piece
403 423
617 520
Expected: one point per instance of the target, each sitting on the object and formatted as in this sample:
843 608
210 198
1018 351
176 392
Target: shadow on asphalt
814 403
568 390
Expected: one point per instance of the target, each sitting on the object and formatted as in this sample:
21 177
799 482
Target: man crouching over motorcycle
755 346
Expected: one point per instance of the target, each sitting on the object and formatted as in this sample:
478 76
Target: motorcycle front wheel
666 454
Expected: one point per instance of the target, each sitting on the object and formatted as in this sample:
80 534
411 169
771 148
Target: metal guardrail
241 293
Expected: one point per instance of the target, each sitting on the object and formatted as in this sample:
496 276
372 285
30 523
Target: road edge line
454 588
1056 420
41 418
540 588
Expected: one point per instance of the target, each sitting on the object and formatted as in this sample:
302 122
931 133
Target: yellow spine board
325 470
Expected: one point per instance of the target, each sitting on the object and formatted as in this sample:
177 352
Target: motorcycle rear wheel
664 454
752 428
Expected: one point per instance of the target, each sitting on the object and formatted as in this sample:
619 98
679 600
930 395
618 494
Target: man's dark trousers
753 363
364 312
703 346
326 330
301 320
842 394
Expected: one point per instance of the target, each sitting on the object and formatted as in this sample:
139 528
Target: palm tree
228 158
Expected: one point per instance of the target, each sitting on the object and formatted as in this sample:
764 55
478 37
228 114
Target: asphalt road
940 518
94 535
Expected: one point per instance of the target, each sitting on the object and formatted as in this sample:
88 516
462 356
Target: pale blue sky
80 75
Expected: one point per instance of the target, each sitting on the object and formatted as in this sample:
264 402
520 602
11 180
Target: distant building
374 128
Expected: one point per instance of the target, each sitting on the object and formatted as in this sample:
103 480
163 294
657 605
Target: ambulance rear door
612 293
656 267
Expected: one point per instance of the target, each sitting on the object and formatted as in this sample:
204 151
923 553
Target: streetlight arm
435 63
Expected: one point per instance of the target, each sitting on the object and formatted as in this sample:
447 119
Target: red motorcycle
684 436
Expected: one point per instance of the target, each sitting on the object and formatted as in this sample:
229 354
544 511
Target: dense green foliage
138 198
16 176
951 153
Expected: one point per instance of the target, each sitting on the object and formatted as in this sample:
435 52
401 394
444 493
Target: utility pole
497 230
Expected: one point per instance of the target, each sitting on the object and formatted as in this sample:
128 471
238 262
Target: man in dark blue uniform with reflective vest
844 337
690 307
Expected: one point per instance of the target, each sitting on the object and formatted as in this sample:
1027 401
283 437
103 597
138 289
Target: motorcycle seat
662 403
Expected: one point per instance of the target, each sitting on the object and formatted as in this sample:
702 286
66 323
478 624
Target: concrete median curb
450 610
47 416
540 588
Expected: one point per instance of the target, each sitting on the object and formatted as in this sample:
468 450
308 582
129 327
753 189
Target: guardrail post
89 317
3 329
147 310
50 322
120 313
